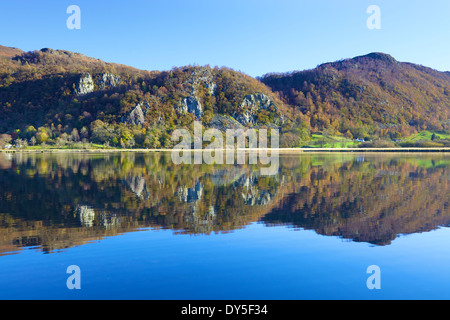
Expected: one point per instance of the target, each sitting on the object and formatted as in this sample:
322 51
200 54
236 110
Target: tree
21 143
42 135
84 133
74 135
349 135
62 140
100 133
4 139
29 132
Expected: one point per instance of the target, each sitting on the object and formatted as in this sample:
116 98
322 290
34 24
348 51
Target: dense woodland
374 97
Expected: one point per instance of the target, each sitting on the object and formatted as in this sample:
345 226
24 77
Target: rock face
203 76
199 77
251 105
136 116
104 81
192 105
85 85
107 81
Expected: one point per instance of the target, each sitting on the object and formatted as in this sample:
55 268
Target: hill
59 96
371 95
9 52
63 98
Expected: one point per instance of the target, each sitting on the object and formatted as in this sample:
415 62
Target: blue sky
252 36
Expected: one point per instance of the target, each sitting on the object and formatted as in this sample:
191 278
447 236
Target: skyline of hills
60 97
389 97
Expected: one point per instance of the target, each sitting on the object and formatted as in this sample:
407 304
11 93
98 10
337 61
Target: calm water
140 227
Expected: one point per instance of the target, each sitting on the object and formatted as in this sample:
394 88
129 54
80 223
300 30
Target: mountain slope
366 95
59 91
9 52
60 97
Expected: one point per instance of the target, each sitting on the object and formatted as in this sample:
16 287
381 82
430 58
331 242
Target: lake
138 226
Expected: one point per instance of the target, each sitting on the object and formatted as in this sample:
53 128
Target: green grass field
426 136
320 141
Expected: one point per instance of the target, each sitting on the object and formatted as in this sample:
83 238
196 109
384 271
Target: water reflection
55 201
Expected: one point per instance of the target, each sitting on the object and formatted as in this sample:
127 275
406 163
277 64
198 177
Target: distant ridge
373 93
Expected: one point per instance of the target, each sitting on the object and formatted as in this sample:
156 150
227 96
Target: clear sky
252 36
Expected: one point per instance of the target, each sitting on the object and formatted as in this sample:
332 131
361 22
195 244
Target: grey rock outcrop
108 80
85 85
136 116
192 105
251 105
204 77
199 77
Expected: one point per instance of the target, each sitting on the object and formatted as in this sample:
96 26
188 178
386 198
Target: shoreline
279 150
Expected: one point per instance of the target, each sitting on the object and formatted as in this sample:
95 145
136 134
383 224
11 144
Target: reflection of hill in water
372 206
55 201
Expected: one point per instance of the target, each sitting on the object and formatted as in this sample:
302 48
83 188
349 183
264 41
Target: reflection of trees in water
100 195
60 200
370 202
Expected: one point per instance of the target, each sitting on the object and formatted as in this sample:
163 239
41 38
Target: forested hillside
60 98
372 95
